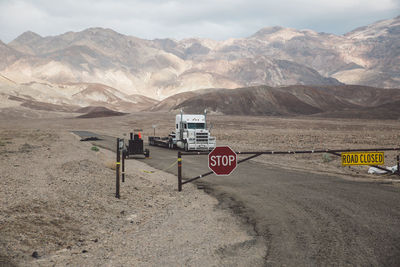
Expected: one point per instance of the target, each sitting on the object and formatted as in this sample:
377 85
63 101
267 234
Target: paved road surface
305 219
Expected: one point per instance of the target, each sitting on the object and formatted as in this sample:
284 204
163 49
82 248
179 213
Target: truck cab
191 133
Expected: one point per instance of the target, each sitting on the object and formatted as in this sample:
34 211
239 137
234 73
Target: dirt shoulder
57 199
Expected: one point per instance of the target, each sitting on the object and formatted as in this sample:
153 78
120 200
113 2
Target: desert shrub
327 157
26 148
95 148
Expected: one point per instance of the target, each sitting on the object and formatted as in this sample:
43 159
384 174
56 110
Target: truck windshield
195 125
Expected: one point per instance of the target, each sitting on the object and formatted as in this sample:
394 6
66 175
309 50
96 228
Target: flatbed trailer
159 141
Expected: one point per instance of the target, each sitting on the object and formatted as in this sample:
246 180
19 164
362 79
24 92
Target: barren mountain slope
171 102
263 100
7 55
336 101
375 48
98 56
273 56
69 97
365 55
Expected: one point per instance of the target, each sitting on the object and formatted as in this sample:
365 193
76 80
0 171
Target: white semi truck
190 133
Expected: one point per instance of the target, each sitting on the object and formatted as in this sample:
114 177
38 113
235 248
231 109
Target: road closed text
363 158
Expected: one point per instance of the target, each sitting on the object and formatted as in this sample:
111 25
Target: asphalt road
304 218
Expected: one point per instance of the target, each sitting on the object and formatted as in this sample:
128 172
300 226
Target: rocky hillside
273 56
68 97
8 55
332 101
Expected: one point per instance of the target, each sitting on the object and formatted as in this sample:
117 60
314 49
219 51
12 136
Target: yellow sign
363 158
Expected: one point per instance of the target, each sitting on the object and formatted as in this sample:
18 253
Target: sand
57 199
57 195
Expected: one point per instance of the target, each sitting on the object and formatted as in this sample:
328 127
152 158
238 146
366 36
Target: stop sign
222 160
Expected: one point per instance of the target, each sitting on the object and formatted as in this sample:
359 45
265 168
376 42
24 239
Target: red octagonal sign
222 160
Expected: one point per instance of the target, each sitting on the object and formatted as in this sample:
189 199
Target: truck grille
202 138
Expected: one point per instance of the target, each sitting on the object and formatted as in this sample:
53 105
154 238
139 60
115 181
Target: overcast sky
215 19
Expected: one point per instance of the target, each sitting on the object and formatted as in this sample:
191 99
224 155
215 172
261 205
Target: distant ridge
279 71
331 101
98 112
273 56
69 96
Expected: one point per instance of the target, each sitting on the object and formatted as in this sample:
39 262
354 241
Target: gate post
117 171
179 171
123 165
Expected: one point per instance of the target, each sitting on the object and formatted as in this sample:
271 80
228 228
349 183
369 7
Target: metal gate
254 154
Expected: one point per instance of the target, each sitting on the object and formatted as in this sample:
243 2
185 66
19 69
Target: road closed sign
363 158
222 160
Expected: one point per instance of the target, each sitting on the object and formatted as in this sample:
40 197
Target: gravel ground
58 208
57 195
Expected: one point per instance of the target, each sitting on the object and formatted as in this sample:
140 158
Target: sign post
179 171
123 165
222 160
117 170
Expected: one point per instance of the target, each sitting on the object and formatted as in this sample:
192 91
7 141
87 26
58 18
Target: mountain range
342 101
100 67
